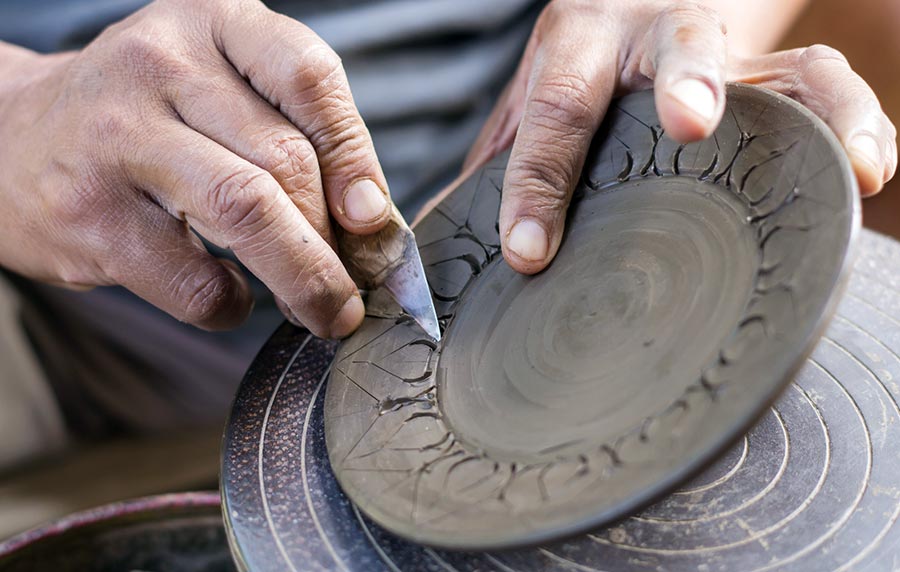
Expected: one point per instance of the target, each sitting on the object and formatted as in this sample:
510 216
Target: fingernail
695 95
864 148
349 318
528 240
364 201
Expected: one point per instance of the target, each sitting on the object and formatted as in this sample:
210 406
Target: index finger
291 67
570 88
237 205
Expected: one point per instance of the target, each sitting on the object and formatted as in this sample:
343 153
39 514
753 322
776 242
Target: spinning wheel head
692 282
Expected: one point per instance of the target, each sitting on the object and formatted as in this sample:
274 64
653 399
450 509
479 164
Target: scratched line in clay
692 282
814 485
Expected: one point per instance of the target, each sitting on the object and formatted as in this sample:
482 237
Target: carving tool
390 258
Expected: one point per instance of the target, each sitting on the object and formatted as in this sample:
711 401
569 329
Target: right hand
216 115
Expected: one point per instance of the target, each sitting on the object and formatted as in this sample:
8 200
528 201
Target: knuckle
111 125
794 62
292 161
544 182
321 91
205 295
819 65
146 56
821 69
137 48
564 100
342 142
324 63
239 200
87 203
319 70
689 26
322 285
820 53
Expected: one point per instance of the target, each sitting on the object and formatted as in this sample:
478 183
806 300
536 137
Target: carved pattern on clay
814 485
407 460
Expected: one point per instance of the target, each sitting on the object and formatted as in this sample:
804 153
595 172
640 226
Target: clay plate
814 486
692 282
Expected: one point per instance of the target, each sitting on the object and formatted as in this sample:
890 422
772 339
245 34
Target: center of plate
652 276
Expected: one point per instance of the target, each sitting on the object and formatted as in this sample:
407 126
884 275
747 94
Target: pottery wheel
815 486
691 283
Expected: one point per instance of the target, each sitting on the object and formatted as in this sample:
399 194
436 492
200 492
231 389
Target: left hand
582 53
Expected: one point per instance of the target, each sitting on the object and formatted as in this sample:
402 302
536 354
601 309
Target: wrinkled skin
583 53
223 117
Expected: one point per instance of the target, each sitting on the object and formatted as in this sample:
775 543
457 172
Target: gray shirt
424 74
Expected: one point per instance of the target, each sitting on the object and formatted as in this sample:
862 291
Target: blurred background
866 31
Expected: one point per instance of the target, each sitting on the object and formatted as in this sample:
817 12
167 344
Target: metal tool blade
408 285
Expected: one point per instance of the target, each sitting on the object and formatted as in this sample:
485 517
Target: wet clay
691 283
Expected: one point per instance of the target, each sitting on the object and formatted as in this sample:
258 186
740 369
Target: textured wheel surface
813 487
691 283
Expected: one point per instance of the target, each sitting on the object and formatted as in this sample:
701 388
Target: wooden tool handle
370 259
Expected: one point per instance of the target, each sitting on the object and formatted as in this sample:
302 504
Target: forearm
756 26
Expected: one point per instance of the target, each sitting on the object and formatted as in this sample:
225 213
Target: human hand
581 53
220 116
